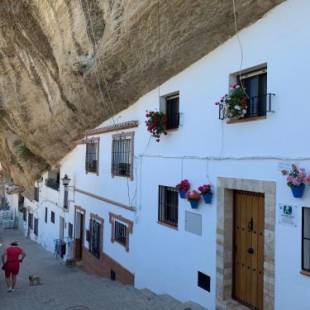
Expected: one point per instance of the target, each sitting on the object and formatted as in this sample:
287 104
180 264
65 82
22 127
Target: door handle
250 250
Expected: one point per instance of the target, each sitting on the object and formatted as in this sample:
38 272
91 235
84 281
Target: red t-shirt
13 253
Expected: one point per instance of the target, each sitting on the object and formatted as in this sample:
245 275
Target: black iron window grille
120 233
45 215
168 205
305 248
70 230
36 194
172 112
21 201
53 180
36 226
24 214
92 154
122 155
53 217
95 237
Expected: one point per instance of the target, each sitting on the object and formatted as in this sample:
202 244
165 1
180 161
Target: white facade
202 149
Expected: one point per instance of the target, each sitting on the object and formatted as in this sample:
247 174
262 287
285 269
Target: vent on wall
204 281
113 275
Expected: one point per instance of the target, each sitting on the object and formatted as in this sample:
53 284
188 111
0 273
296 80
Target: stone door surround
224 239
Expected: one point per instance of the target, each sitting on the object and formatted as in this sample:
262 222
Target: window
120 233
168 205
45 215
53 179
36 226
70 230
95 237
52 217
21 200
25 214
255 85
92 155
36 194
305 260
30 220
121 228
171 109
122 155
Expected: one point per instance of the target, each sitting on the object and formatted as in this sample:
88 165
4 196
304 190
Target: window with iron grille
36 226
45 215
70 230
36 194
21 201
305 259
120 233
92 156
254 84
168 205
95 237
25 214
30 220
172 111
53 179
122 155
52 217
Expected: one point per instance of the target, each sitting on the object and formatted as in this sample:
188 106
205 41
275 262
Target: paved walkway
72 289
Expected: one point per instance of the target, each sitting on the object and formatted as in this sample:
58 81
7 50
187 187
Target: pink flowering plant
235 104
205 189
296 176
193 195
184 185
156 123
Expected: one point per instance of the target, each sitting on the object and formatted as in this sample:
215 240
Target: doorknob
250 250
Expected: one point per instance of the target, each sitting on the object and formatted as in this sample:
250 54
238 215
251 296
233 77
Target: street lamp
65 181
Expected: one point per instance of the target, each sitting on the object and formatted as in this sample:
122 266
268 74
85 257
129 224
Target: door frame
224 239
81 211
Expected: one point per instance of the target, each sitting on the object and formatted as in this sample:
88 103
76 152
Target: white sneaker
9 290
13 290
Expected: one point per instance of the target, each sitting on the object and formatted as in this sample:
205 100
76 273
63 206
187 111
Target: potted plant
156 123
183 188
296 178
206 192
193 197
235 104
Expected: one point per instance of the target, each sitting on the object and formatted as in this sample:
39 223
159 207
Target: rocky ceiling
67 65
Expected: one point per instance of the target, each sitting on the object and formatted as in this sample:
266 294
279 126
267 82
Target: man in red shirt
11 259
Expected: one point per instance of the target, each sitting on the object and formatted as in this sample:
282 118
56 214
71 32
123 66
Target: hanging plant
296 179
193 197
206 192
235 104
156 124
183 188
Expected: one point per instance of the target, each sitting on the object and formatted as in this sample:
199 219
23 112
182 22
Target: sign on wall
287 214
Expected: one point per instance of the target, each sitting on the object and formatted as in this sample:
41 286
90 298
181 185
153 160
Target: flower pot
207 197
182 194
298 191
194 204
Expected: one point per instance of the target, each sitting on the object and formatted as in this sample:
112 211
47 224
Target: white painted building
119 226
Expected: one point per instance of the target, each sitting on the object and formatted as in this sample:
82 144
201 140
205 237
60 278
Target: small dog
34 280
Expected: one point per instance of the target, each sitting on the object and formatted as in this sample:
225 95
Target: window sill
167 225
92 172
305 273
244 120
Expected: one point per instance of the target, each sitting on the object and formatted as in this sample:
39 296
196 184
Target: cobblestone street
71 288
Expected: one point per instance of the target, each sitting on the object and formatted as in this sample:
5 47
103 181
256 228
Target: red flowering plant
183 186
205 189
235 104
193 195
156 123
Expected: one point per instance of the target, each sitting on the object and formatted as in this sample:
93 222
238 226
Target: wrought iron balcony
256 106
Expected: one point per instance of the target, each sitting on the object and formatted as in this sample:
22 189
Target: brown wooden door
248 248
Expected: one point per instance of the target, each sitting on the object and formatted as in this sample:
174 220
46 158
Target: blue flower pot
207 197
182 194
298 191
194 204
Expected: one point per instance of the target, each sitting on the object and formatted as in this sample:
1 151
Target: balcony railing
52 183
256 106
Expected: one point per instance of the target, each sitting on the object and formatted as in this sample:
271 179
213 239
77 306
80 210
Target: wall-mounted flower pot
182 194
194 204
298 191
207 197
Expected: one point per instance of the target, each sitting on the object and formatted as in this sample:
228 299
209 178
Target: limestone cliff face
67 65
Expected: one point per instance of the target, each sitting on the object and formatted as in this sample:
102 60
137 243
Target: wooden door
248 253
